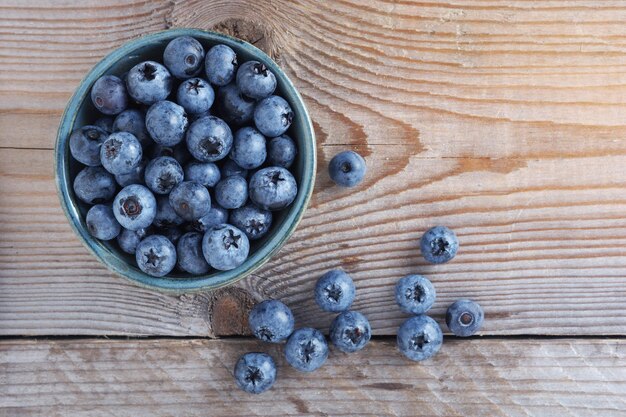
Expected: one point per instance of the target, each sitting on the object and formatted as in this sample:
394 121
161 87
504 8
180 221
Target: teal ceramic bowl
80 111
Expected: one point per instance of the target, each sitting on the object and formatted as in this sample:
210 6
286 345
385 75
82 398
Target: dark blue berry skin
273 116
105 123
149 82
273 188
166 123
156 255
108 95
94 185
190 200
419 338
190 257
235 108
335 291
206 173
195 95
101 222
232 192
350 331
255 372
220 65
251 220
215 217
464 318
178 152
439 244
120 153
415 294
347 169
173 234
255 80
163 174
184 57
165 214
230 168
85 144
209 139
133 121
129 239
306 350
225 247
135 207
249 148
271 321
281 151
136 176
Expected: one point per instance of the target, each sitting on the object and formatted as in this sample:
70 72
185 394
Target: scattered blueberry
94 185
184 57
350 331
165 214
334 291
273 188
149 82
253 221
135 207
105 123
464 318
162 174
281 151
133 121
255 80
205 173
347 168
255 372
232 192
195 95
271 321
439 244
166 122
248 149
108 95
101 222
220 65
120 153
273 116
156 255
216 216
209 139
235 108
136 176
190 257
415 294
306 350
230 167
85 143
225 247
419 338
190 200
129 239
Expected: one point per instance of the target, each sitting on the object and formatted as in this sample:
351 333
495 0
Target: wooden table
504 120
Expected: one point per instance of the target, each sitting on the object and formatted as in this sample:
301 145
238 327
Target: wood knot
228 310
252 32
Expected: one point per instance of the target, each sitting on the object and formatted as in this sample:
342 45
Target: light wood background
504 120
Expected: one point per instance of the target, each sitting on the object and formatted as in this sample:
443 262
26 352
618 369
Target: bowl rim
216 279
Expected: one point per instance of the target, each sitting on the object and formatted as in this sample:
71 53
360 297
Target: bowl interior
80 111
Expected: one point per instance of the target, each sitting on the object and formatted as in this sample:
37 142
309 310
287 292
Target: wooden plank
193 378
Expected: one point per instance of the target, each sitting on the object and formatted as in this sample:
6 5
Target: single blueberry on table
249 148
439 244
415 294
205 173
334 291
216 216
149 82
195 95
281 151
135 207
156 255
253 221
225 247
255 372
136 176
230 167
105 123
350 331
235 108
133 121
232 192
165 214
306 350
94 185
255 80
190 200
190 257
184 57
129 239
108 95
101 222
271 321
347 169
173 234
166 123
272 188
162 174
209 139
464 318
120 153
273 116
85 143
419 338
220 65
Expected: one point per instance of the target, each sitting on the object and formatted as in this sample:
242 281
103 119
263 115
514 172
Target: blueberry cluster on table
189 161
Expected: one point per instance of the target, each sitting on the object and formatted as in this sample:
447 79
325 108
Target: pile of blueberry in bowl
185 159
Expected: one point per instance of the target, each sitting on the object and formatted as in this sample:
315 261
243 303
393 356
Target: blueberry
334 291
196 116
215 217
419 338
206 173
281 151
105 123
255 372
253 221
165 214
136 176
101 222
273 188
225 247
195 95
306 350
166 122
464 318
415 294
235 108
178 152
190 200
248 148
184 56
209 139
347 168
129 239
149 82
232 192
439 244
273 116
156 255
230 167
85 144
173 234
94 185
120 153
255 80
190 257
108 95
271 321
163 174
135 207
220 65
350 331
133 121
